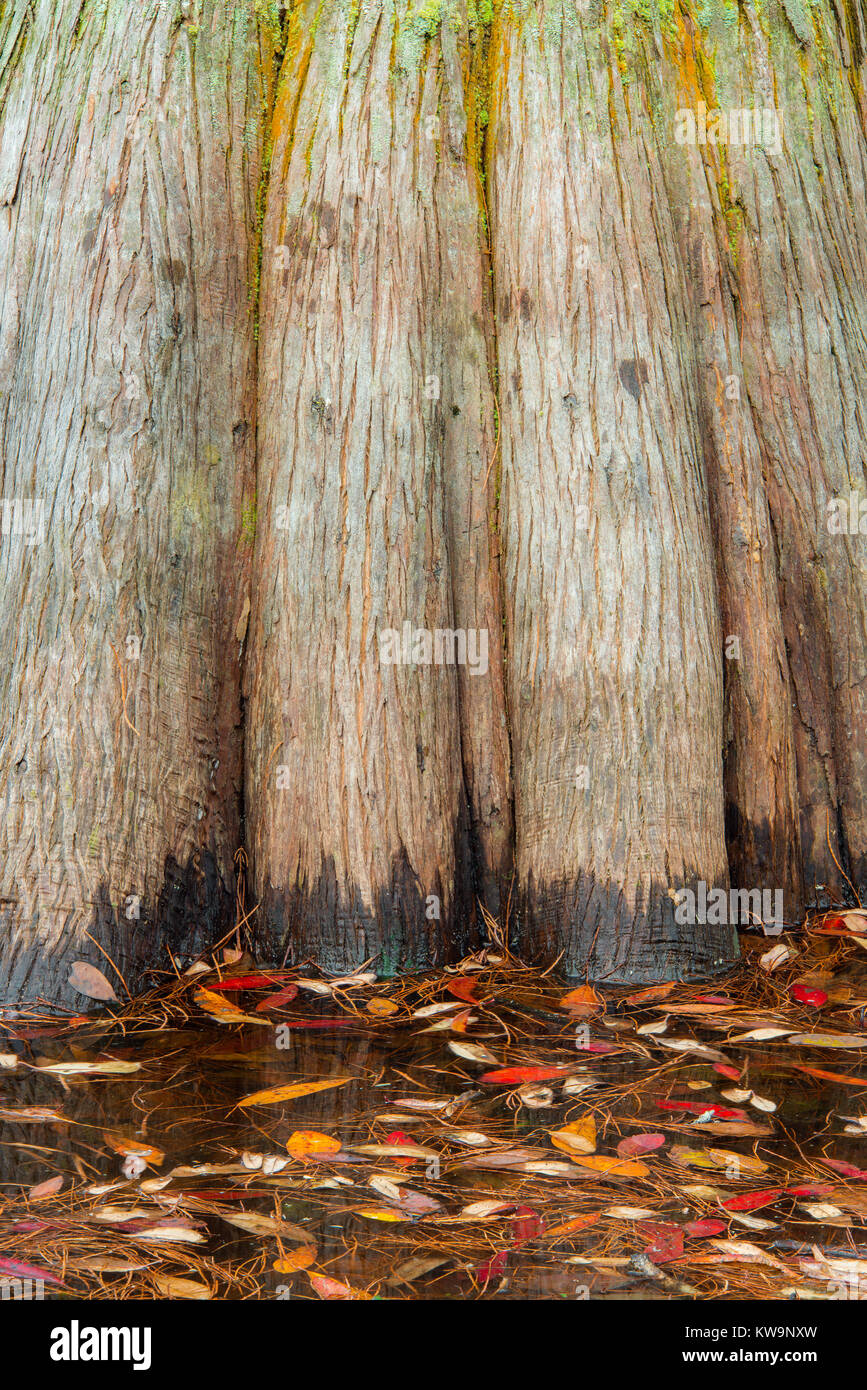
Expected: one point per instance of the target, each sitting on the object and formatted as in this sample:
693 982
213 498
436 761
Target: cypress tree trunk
378 786
129 165
537 330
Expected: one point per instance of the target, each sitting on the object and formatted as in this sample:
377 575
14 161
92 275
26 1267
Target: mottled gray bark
129 139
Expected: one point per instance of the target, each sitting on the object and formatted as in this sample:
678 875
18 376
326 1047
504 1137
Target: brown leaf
90 981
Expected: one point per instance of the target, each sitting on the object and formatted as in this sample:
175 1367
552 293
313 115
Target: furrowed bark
762 829
129 159
798 227
370 782
613 637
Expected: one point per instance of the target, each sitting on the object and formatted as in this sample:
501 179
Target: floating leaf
777 956
803 994
844 1040
221 1010
578 1137
47 1188
515 1076
666 1240
612 1167
332 1288
173 1286
108 1068
699 1229
86 979
294 1091
749 1201
16 1269
381 1008
839 1077
575 1223
582 1000
258 1225
306 1142
472 1052
644 996
640 1144
464 988
302 1258
716 1159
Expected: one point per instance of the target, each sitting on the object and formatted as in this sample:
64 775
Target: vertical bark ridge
367 781
130 148
615 676
796 222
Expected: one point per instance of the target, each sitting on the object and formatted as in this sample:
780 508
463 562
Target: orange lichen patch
685 50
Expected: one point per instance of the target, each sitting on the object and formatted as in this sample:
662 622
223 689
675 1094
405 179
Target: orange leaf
584 997
292 1092
654 992
381 1008
616 1167
331 1288
301 1258
310 1141
837 1076
577 1223
463 988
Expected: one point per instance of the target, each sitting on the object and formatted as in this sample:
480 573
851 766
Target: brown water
184 1102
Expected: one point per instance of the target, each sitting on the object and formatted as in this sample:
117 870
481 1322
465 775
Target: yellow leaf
734 1164
380 1214
310 1141
579 1137
617 1167
174 1287
292 1092
221 1010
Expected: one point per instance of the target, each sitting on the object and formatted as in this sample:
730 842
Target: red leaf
463 988
640 1144
666 1240
493 1267
810 1190
515 1076
697 1229
397 1138
15 1269
526 1224
804 995
848 1170
276 1001
733 1073
749 1201
697 1108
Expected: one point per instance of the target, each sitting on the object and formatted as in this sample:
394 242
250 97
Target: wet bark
128 167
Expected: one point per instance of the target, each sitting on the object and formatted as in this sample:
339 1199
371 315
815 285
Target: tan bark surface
378 793
128 168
